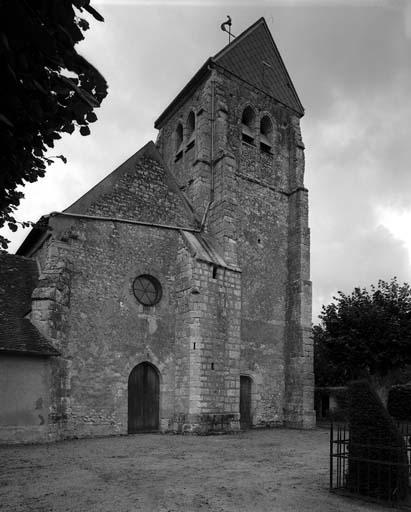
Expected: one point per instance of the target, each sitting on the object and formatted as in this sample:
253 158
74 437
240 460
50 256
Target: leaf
94 13
91 117
4 119
5 41
83 24
87 97
12 73
66 33
40 87
84 130
62 158
12 226
69 128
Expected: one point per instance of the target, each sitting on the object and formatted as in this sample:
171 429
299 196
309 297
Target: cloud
349 62
358 167
358 257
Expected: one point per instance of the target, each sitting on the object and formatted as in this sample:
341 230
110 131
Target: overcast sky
351 65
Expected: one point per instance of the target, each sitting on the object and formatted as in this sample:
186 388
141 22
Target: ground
261 470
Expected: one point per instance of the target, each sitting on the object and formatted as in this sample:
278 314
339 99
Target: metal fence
376 475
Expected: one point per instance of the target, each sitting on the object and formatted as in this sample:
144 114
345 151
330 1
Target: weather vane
224 28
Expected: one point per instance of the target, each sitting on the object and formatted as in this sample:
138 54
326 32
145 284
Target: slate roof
244 58
203 248
253 56
18 278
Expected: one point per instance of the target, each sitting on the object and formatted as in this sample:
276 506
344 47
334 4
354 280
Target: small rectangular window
265 148
247 138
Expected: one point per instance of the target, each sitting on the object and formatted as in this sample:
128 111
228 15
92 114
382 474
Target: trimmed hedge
399 402
374 443
341 413
340 394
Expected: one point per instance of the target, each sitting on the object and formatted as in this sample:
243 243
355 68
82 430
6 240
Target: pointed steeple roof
253 56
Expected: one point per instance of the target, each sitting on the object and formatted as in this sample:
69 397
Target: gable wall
141 191
106 331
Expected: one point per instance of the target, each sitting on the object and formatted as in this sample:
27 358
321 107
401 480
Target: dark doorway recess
143 399
245 402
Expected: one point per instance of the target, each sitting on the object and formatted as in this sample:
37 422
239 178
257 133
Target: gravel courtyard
266 470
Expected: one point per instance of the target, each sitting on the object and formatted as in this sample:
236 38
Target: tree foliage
46 89
364 334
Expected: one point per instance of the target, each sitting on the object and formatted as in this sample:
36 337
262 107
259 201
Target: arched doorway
143 399
245 402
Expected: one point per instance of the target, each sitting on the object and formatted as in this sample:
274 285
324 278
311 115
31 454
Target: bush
377 455
399 402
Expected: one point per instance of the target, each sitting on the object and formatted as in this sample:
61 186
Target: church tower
232 139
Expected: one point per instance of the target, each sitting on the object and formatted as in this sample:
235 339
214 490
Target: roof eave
41 353
35 237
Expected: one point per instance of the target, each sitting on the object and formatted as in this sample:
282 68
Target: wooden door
143 399
245 402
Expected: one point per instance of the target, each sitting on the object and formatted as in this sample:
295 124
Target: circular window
147 290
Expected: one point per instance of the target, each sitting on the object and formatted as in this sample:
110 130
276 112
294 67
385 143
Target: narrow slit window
214 271
178 140
248 125
266 134
191 127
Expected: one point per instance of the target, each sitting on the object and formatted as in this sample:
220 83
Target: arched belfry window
191 126
179 140
248 125
266 134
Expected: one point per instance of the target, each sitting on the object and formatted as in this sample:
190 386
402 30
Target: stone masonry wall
248 194
270 231
50 314
214 348
191 164
108 331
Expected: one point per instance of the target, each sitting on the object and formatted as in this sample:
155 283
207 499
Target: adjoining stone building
175 294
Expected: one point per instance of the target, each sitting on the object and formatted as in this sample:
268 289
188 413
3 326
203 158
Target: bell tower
232 139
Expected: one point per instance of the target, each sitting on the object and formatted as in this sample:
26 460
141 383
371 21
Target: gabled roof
254 58
18 278
166 204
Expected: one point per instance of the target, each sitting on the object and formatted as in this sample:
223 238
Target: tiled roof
18 335
253 56
18 278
